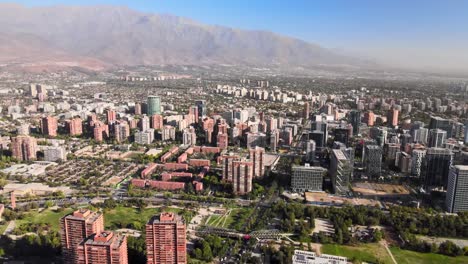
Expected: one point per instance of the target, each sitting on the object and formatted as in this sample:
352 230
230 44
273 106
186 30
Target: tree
48 204
198 253
339 237
377 235
110 203
449 248
136 250
207 254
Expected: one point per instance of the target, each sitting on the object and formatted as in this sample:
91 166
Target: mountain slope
121 36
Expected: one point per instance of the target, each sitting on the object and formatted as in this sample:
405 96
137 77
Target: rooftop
165 217
339 154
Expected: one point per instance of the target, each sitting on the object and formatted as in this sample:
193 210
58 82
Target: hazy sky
412 33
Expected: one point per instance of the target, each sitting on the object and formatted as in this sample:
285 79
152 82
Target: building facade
307 178
104 247
74 126
49 126
144 137
24 148
341 171
257 156
166 239
436 167
242 175
457 189
75 227
154 105
373 160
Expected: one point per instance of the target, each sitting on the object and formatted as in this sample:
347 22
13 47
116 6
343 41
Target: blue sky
359 26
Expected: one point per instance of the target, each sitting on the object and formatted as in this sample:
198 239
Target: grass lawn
411 257
46 216
125 216
113 218
230 220
234 220
372 252
213 220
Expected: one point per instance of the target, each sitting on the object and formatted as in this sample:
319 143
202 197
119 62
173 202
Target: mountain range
96 37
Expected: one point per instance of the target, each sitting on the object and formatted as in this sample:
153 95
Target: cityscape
163 160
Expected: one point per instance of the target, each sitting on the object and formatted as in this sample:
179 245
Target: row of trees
37 245
446 248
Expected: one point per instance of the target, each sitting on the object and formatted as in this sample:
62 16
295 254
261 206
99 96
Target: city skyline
131 135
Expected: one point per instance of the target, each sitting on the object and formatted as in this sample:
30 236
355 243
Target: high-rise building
391 150
104 247
405 139
437 138
256 157
75 227
157 122
323 127
274 138
355 120
420 135
318 137
100 131
144 123
307 178
154 105
373 160
168 133
49 126
222 140
189 137
403 162
242 175
226 162
436 167
256 139
369 117
166 239
306 110
144 137
24 148
121 131
341 171
310 147
271 124
392 117
441 123
193 110
342 134
380 135
74 126
457 189
42 89
111 116
466 133
33 90
138 109
201 106
417 161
